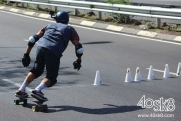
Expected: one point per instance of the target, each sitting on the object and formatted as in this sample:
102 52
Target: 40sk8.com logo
157 105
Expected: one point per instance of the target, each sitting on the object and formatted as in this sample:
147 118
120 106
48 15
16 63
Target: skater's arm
79 52
78 46
28 50
78 49
41 33
33 39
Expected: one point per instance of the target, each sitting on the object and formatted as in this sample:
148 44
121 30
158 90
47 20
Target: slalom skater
52 41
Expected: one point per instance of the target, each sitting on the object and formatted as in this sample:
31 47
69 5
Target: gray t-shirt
56 37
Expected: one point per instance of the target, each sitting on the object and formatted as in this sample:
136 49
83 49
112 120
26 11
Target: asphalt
74 97
103 26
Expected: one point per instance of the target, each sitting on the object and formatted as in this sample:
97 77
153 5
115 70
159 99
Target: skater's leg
21 91
34 73
36 93
52 67
29 78
44 83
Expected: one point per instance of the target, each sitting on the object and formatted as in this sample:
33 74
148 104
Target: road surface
74 97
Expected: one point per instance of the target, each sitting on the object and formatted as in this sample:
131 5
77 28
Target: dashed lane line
16 84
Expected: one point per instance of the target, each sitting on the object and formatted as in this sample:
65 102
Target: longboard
38 107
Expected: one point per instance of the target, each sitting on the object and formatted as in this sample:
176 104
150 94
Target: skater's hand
26 60
77 64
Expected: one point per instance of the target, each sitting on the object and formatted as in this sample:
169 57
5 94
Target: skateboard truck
22 101
39 106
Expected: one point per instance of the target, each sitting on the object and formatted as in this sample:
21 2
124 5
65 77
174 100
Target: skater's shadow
112 109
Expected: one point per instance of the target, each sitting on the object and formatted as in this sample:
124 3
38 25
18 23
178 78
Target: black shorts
45 58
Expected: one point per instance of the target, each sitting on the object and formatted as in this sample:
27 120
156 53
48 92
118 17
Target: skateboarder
52 40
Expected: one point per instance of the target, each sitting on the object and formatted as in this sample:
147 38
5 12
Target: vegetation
125 2
1 1
116 17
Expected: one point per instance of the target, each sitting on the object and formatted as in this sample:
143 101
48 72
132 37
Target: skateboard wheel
16 102
45 107
35 108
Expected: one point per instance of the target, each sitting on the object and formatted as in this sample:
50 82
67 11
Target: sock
23 86
40 87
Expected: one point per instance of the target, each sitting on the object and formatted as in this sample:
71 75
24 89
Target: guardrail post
16 4
22 4
127 19
27 5
8 1
99 15
37 7
55 9
158 22
76 12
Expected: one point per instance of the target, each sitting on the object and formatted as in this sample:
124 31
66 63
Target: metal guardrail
156 5
141 4
145 11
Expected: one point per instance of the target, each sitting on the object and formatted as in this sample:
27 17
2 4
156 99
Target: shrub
116 17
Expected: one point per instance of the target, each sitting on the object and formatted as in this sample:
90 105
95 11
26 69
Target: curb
97 25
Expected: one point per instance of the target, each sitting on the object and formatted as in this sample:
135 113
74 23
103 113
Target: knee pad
53 81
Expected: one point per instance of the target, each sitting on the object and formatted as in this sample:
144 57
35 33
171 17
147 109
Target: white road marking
16 84
14 10
29 13
87 23
2 7
29 89
42 15
146 33
152 39
162 71
114 28
178 38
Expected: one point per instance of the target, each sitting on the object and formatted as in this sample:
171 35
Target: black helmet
62 17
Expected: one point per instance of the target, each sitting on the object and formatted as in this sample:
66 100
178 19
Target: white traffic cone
138 75
166 72
179 69
128 77
151 75
97 80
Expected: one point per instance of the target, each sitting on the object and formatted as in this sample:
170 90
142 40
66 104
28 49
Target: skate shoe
21 94
38 95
